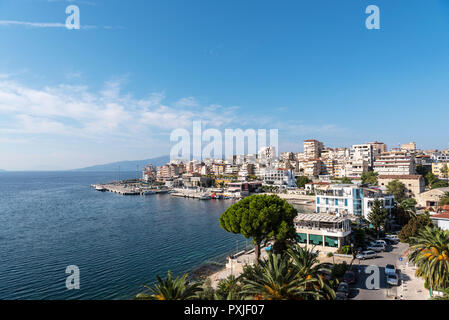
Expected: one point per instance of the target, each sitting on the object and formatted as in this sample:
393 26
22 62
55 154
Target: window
331 241
346 202
336 202
318 200
315 239
301 238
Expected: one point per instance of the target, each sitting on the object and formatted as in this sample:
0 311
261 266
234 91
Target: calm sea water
49 220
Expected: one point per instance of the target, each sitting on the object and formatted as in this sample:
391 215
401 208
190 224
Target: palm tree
431 255
307 266
171 289
228 289
276 279
408 207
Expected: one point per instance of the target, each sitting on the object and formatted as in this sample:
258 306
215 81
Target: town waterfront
50 220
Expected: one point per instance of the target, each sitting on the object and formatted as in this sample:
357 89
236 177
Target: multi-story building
409 146
281 177
349 199
328 166
312 148
395 163
148 173
267 154
169 171
325 233
312 167
355 168
441 169
414 183
363 152
287 156
218 169
378 148
440 157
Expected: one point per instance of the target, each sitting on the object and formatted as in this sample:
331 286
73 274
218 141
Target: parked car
392 237
343 290
381 242
377 247
390 269
392 279
389 241
368 254
350 277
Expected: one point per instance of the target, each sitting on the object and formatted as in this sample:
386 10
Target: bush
345 250
339 270
412 228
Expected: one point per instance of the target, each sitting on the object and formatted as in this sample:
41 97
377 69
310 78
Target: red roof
441 215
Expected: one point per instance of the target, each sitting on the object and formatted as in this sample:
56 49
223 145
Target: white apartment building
349 199
395 163
440 157
363 152
281 177
355 168
267 154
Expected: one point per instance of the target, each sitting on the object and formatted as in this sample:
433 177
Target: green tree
171 289
422 170
275 279
228 289
444 199
408 206
301 181
308 267
377 216
370 177
397 189
261 217
345 180
430 179
444 171
440 184
359 237
430 253
412 228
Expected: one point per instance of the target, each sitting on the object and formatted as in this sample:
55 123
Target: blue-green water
49 220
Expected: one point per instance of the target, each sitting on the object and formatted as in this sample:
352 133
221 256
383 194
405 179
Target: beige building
430 199
414 183
395 163
440 169
312 167
312 149
409 146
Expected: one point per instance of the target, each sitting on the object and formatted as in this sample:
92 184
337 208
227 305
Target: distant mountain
127 165
1 170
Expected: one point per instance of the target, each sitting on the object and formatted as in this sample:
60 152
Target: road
359 290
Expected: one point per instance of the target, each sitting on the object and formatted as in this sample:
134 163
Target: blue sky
136 70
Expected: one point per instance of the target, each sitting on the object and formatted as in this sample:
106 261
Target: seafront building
325 233
349 199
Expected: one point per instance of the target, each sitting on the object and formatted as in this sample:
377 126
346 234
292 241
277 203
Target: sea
52 220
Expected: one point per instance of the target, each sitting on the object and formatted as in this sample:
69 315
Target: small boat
147 193
100 188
